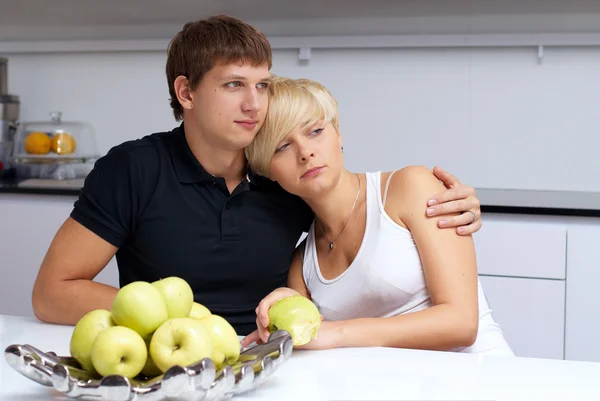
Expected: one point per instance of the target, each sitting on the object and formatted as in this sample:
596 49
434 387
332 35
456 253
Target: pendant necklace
347 220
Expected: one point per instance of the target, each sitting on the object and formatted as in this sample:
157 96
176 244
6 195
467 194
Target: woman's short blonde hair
293 104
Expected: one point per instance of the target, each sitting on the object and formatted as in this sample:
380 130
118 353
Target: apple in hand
298 316
178 296
199 311
84 334
119 350
226 346
180 341
139 306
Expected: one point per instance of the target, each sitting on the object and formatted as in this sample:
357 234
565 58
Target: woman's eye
317 131
282 147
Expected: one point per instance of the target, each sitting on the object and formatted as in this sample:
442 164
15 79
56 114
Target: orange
37 143
63 144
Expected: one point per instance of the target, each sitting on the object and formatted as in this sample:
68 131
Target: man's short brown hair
203 43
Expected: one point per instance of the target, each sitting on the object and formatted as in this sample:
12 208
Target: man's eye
233 84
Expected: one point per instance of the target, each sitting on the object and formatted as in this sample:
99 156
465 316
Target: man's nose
251 102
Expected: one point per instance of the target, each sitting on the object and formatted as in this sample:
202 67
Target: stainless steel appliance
9 115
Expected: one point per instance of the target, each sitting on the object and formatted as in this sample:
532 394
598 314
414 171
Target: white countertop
355 373
571 200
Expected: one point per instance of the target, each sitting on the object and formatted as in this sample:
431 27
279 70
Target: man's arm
104 217
64 291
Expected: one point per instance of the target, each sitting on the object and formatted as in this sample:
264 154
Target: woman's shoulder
410 184
409 175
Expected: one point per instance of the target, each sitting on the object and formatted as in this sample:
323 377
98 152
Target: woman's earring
342 149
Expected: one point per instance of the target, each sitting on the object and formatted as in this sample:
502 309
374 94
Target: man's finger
458 206
448 179
459 192
465 219
470 229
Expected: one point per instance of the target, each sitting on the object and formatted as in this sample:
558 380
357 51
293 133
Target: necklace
347 220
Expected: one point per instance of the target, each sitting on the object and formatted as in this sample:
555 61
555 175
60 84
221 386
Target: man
182 203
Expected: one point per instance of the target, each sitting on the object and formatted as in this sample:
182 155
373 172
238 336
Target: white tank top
386 277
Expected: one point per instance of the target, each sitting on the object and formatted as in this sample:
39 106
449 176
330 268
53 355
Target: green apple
226 346
180 341
139 306
84 334
119 350
150 369
178 296
298 316
199 311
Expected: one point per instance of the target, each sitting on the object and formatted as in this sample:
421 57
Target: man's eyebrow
242 78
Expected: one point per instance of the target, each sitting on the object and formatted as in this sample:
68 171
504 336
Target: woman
380 271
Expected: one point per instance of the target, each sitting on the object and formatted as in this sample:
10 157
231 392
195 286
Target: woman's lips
312 172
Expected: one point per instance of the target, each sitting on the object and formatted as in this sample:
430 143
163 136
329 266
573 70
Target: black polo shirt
168 216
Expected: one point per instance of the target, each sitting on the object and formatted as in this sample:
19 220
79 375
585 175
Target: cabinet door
30 223
583 302
521 249
531 313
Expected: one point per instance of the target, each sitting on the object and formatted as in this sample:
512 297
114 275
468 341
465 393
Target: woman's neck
334 209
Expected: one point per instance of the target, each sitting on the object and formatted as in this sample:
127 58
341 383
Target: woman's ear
183 92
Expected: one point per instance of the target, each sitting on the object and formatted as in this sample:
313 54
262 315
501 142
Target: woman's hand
458 198
261 334
328 337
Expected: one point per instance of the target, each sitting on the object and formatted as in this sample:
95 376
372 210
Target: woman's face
309 161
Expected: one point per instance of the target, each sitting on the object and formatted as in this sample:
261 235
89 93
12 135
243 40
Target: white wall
495 117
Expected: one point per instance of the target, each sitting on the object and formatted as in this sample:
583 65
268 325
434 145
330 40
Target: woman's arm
295 278
450 270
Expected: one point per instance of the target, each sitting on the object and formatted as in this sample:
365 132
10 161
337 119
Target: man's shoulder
142 149
295 206
135 162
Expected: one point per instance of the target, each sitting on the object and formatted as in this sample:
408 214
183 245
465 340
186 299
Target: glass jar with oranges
54 142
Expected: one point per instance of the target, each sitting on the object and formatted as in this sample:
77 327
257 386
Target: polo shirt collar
190 171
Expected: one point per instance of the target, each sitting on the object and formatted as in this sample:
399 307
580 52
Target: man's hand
458 198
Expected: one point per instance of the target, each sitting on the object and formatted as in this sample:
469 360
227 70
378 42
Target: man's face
230 104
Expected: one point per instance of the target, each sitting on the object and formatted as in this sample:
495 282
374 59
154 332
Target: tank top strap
387 186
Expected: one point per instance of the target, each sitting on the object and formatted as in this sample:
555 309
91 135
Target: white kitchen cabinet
521 249
29 223
531 313
583 294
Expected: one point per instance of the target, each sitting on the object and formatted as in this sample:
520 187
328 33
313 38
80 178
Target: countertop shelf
560 203
41 187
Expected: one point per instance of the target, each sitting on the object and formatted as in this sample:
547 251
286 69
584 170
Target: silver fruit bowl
200 381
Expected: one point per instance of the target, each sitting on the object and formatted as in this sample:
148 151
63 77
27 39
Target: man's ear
183 92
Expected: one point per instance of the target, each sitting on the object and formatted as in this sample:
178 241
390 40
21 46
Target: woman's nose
304 156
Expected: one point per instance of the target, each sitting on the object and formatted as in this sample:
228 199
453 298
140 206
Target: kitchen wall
496 116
